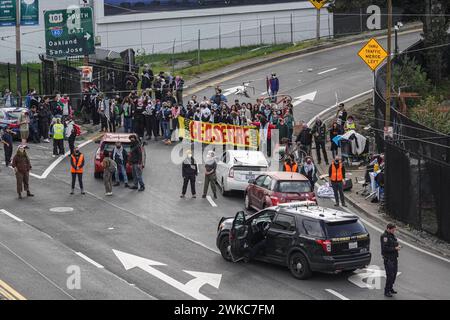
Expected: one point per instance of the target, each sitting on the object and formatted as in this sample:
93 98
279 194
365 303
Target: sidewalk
373 210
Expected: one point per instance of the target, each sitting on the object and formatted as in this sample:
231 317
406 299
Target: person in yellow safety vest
76 169
350 124
58 138
290 165
336 172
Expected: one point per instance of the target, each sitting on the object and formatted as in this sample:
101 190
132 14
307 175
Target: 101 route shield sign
69 32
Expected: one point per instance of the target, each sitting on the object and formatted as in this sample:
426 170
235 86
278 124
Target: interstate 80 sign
69 32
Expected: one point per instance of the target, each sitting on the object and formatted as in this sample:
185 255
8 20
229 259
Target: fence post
9 77
274 32
260 33
360 20
220 41
39 81
198 48
292 30
28 78
173 57
240 38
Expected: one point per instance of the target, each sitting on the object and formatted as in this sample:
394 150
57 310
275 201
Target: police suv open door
238 237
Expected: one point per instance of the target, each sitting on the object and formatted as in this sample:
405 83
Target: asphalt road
43 254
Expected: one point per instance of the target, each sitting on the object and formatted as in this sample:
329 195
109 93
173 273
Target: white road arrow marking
307 97
191 288
87 36
369 278
233 90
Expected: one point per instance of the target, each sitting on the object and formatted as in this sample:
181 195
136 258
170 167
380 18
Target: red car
273 188
108 142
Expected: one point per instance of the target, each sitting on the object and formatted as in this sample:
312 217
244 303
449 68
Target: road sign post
69 32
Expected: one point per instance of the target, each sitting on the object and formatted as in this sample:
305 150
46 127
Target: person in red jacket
265 134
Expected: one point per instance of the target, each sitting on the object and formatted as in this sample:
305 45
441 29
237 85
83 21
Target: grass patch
33 72
186 63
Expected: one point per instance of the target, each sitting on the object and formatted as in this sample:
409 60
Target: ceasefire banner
218 133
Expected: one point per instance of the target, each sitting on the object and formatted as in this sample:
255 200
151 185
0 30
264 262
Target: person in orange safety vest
336 172
76 168
290 165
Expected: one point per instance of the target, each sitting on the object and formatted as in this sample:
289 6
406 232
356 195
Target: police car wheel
223 246
299 266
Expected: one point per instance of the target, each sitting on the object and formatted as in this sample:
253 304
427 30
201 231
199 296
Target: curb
261 61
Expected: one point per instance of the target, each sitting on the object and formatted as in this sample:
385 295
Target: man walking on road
120 156
189 172
319 132
136 161
58 138
7 141
389 251
336 172
210 174
76 168
22 166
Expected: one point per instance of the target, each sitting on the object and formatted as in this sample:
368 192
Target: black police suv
302 236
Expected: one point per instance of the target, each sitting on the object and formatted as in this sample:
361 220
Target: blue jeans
166 130
121 170
137 175
127 124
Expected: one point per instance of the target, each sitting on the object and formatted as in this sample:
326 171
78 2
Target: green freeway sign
29 12
69 32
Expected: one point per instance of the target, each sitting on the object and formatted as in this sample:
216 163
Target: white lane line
9 214
335 106
211 201
337 294
37 271
61 158
191 240
98 265
326 71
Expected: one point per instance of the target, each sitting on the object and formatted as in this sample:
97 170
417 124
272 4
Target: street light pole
389 69
18 56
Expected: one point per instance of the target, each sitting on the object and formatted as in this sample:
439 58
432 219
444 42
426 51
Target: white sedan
237 167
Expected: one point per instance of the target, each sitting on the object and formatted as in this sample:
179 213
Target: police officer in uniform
389 251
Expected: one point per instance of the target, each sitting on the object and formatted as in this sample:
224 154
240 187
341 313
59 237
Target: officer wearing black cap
389 251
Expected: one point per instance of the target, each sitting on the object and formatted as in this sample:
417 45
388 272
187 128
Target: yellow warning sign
373 54
318 3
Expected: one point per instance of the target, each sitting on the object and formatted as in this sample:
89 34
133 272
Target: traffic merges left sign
69 32
373 54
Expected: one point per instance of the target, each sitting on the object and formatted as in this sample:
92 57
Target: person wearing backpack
71 134
109 168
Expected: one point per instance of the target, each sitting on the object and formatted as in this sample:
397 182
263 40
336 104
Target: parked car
237 167
108 142
301 236
273 188
9 118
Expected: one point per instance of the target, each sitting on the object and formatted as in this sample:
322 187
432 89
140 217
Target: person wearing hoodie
120 156
210 174
189 171
309 170
319 131
22 166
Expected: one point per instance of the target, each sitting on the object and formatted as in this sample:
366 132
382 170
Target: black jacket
189 168
135 153
305 137
388 244
320 132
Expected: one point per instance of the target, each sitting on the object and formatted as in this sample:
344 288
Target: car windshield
294 186
109 146
345 229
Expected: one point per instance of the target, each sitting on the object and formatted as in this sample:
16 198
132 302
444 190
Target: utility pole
18 55
388 71
318 26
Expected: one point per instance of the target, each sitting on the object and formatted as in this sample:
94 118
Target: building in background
150 26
